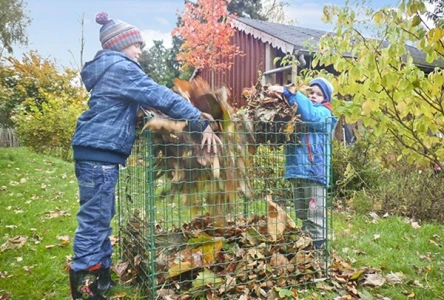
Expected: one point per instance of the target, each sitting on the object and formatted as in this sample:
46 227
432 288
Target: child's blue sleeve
139 87
307 110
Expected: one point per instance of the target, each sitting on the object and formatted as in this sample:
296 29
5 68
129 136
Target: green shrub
363 183
48 127
413 192
27 80
354 169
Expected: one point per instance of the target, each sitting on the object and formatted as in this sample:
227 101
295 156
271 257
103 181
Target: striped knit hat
117 35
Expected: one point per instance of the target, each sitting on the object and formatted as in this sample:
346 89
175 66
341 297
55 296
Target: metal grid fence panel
198 226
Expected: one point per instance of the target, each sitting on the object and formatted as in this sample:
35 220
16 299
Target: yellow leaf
209 247
179 269
357 275
377 18
366 107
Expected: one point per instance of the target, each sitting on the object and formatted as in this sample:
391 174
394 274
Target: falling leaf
14 243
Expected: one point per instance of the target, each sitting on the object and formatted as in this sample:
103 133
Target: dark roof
294 35
298 36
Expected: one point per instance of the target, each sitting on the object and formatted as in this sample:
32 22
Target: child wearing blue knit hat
103 139
308 162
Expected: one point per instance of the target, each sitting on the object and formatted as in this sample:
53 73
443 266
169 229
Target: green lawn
38 203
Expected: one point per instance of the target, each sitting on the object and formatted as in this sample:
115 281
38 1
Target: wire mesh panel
199 225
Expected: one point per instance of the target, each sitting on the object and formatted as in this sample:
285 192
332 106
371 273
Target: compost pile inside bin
250 256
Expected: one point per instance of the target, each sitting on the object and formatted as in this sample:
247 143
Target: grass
395 245
38 201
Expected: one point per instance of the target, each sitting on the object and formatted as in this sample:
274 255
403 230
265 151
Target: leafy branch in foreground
393 92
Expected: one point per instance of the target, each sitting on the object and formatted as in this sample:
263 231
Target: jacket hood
94 70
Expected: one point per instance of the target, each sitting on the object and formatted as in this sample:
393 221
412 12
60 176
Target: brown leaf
277 220
14 243
393 278
434 243
164 125
303 242
374 280
280 264
120 268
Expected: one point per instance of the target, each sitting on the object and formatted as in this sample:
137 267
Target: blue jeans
97 184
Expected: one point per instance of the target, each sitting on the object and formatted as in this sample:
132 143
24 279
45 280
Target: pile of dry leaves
259 257
248 256
269 116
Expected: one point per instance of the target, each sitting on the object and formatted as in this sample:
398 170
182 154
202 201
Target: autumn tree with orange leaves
206 30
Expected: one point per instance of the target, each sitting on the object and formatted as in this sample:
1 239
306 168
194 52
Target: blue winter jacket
118 86
310 158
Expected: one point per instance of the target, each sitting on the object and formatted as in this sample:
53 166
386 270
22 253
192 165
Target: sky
55 30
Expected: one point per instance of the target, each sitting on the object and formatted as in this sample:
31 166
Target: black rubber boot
84 284
105 281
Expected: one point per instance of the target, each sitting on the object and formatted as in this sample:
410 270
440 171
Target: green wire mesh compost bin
199 226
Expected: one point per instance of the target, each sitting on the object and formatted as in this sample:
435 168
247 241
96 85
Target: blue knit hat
117 35
325 86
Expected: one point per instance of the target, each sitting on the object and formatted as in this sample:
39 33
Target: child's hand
211 139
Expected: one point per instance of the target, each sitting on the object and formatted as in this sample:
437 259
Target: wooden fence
8 138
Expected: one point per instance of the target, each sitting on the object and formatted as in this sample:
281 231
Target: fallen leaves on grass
14 243
56 214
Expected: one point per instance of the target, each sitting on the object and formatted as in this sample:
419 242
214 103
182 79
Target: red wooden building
262 42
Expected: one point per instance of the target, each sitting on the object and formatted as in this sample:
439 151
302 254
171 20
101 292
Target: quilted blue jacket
106 131
311 157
